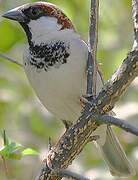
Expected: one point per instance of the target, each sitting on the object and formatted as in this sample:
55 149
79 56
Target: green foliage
14 150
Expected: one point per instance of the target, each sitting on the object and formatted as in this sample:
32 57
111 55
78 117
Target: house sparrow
55 64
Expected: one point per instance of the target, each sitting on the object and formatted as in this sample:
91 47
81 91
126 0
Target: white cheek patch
43 26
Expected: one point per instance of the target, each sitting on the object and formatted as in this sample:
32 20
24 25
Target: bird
55 62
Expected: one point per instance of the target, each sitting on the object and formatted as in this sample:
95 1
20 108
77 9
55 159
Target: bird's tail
115 156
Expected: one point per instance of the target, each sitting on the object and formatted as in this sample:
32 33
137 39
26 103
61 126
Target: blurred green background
22 115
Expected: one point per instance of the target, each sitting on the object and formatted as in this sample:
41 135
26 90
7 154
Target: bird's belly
60 94
59 89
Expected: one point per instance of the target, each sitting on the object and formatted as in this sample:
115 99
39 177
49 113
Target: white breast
59 89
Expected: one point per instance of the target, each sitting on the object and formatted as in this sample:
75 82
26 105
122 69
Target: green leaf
29 151
11 150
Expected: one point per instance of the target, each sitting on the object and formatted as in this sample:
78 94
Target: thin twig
93 32
118 122
93 39
5 56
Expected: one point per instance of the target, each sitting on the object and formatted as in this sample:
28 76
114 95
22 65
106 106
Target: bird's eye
35 12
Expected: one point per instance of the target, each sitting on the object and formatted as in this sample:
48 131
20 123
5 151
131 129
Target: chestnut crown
33 11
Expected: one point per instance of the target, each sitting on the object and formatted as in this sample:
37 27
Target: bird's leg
67 124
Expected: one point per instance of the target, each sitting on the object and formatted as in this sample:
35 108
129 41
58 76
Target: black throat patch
45 56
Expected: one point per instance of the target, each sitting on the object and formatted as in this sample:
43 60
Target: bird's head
39 18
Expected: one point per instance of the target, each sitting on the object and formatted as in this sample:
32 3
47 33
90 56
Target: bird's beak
16 15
